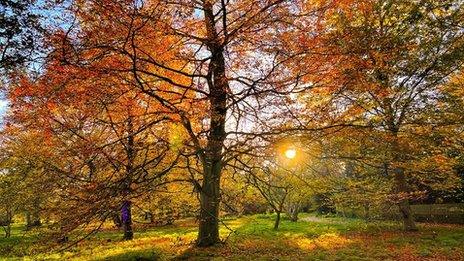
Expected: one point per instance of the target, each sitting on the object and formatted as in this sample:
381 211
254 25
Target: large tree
106 142
217 68
390 59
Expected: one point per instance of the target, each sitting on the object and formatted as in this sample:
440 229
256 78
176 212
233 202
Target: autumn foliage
141 108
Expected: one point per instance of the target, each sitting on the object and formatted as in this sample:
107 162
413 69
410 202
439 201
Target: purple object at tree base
126 218
126 212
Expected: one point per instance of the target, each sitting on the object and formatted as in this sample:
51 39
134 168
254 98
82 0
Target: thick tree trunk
126 218
401 183
208 233
403 204
277 221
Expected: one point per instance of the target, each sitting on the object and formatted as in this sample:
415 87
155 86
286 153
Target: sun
290 153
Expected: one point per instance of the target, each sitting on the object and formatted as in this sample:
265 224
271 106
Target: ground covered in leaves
311 238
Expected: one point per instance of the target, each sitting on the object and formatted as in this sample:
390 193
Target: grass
311 238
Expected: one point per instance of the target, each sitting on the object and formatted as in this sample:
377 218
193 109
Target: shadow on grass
135 255
262 249
311 238
256 240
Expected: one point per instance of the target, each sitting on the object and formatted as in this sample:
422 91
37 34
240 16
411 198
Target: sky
3 108
50 16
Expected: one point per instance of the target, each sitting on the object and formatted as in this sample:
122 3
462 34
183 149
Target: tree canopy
143 107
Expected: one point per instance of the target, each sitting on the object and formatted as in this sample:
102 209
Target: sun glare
290 153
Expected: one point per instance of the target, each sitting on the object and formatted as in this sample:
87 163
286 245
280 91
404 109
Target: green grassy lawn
311 238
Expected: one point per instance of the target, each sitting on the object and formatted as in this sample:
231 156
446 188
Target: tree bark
126 211
403 204
126 218
401 183
277 221
208 233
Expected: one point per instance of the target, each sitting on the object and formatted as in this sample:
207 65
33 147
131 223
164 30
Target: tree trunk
7 225
36 222
126 212
208 233
403 204
277 221
33 215
294 216
28 219
7 229
401 183
126 218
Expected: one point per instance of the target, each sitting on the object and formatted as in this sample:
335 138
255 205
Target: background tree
390 58
269 184
26 188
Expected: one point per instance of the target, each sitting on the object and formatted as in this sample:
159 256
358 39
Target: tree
9 203
207 61
270 186
107 148
25 187
390 58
